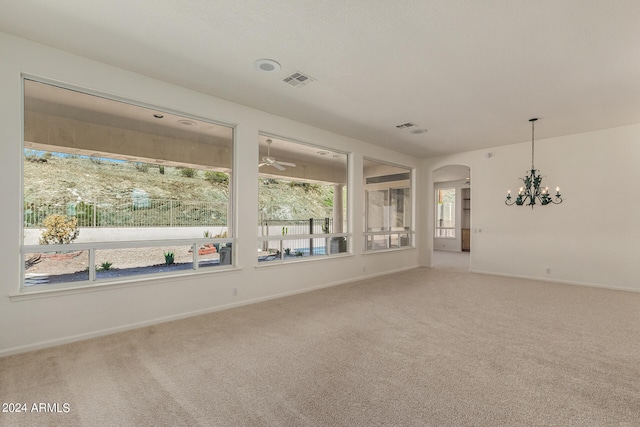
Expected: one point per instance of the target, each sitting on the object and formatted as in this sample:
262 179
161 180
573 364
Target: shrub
59 230
188 172
216 177
169 258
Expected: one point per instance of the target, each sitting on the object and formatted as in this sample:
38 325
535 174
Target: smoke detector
268 65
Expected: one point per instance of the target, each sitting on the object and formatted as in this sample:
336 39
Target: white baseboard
108 331
564 282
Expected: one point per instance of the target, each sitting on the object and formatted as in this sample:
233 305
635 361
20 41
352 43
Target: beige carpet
428 347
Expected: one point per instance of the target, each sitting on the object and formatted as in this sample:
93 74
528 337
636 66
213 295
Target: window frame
449 231
408 233
92 247
346 236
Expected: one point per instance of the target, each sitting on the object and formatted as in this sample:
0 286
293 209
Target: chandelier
532 189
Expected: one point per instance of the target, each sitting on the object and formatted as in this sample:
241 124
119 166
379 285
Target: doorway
452 227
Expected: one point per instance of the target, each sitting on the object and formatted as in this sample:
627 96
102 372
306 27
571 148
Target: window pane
445 212
377 210
121 172
302 191
388 205
49 268
117 263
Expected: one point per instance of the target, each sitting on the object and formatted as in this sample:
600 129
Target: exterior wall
591 238
33 322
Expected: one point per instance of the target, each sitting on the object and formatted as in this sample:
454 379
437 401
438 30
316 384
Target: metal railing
284 227
130 213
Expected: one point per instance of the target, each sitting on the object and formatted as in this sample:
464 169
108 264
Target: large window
302 201
114 190
445 213
388 206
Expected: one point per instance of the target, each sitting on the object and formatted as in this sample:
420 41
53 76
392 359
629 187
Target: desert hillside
56 180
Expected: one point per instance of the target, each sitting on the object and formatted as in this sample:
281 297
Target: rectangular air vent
298 79
405 125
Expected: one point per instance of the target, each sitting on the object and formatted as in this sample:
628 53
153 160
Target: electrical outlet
548 271
235 292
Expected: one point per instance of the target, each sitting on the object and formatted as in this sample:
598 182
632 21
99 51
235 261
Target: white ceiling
471 72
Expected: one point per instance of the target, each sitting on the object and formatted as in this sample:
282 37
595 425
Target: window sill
378 251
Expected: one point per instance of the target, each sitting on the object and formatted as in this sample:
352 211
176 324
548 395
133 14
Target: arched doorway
452 229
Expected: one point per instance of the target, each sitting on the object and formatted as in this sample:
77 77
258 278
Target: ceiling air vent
298 79
405 125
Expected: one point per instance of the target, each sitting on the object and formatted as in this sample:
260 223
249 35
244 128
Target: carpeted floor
451 261
427 347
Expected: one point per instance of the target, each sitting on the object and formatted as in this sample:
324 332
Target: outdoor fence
275 227
130 213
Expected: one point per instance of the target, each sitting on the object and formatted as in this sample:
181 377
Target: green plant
188 172
287 251
169 258
206 234
104 266
216 177
59 230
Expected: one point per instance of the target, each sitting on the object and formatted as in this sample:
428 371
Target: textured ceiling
471 72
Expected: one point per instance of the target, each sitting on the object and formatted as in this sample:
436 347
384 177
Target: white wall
36 322
591 238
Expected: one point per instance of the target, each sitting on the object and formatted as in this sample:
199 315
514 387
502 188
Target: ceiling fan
270 161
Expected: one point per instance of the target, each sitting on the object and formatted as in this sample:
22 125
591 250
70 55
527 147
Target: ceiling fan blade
277 166
293 165
261 164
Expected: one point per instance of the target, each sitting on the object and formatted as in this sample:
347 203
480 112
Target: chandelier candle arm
532 189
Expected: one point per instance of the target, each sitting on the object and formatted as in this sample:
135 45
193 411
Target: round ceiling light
268 65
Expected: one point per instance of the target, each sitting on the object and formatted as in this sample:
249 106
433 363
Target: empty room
314 213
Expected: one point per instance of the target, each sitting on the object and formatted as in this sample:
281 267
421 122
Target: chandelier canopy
532 189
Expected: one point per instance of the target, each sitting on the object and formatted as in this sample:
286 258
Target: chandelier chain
533 122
